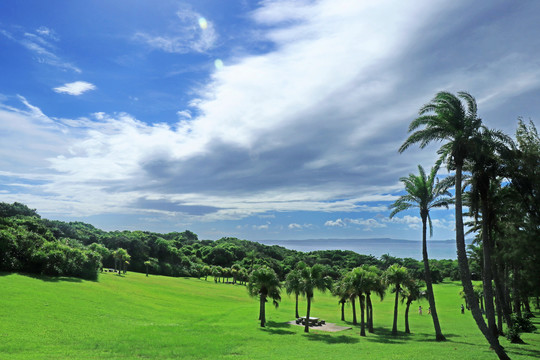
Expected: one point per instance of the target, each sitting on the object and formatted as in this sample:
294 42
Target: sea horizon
437 249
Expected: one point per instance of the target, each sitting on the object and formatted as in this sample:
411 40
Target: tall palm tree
446 118
341 290
411 291
357 287
396 275
425 192
264 283
313 278
293 284
485 166
374 284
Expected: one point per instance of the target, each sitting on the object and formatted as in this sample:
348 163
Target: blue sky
254 119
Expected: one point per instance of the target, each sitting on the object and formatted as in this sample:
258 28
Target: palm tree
359 281
396 275
374 284
313 278
126 258
446 118
206 270
264 283
293 284
341 290
411 291
119 259
425 192
485 166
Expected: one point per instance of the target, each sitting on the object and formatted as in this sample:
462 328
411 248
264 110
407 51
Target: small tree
313 278
411 291
264 283
396 275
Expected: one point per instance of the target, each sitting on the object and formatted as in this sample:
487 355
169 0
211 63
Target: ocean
437 249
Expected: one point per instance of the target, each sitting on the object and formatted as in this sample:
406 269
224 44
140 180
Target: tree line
32 244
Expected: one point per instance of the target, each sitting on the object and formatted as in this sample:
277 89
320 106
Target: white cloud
40 45
366 224
295 226
75 88
190 34
337 222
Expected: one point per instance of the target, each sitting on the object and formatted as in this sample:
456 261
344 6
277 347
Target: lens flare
203 23
218 64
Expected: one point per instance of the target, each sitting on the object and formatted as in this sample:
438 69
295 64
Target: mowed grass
156 317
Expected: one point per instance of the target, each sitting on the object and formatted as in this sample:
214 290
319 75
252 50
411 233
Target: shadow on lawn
277 328
46 278
385 336
329 339
524 351
53 278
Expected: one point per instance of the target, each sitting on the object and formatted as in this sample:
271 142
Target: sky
276 119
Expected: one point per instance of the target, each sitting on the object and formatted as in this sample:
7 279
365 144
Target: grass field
138 317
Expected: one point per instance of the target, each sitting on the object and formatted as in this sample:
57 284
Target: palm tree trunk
429 282
464 270
407 330
487 273
362 323
306 328
297 316
353 311
515 292
262 315
499 316
499 291
369 309
394 325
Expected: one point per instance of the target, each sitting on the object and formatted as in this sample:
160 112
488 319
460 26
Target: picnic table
313 321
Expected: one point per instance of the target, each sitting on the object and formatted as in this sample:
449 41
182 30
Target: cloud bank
311 125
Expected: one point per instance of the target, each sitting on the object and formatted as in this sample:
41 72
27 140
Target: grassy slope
158 317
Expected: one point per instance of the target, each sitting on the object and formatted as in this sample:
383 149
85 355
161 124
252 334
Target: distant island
438 249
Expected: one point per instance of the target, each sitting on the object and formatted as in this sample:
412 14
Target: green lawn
138 317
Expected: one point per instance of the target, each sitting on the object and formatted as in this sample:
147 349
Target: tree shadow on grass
332 339
47 278
524 351
275 328
425 337
385 336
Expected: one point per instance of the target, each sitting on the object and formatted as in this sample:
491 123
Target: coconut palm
359 280
425 193
293 284
446 118
396 275
150 263
350 293
411 291
341 290
486 166
264 283
376 285
119 259
313 278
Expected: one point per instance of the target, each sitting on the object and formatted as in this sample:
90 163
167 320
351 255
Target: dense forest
29 243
